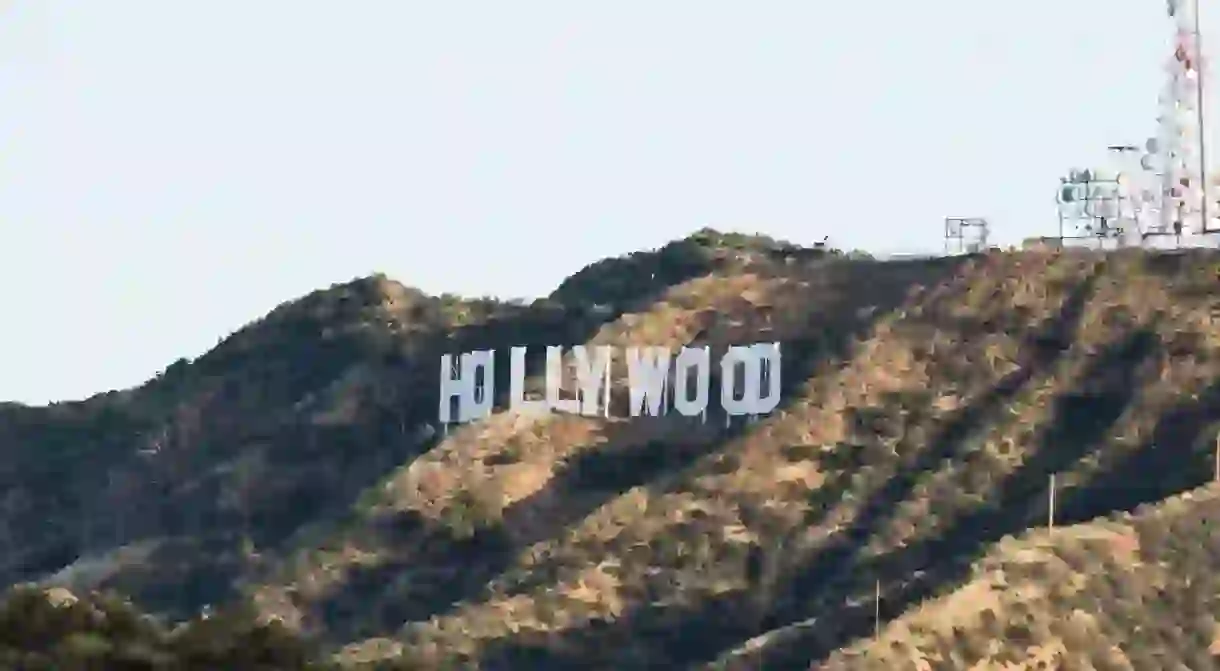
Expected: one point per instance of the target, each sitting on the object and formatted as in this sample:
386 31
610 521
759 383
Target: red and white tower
1180 151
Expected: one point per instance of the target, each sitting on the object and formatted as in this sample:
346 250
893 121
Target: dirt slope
899 457
926 405
1134 591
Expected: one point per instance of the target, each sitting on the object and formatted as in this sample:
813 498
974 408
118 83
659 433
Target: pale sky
172 170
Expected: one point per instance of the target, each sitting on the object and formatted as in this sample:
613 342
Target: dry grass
927 405
1098 595
954 402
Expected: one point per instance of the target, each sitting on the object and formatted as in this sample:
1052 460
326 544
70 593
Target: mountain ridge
926 404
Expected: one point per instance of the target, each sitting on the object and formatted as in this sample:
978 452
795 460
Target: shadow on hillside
1043 347
837 573
447 568
830 587
1177 452
1180 453
1079 424
592 478
445 565
1022 506
261 397
535 328
723 618
415 376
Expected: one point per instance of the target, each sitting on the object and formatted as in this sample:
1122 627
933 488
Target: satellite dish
1152 145
1146 162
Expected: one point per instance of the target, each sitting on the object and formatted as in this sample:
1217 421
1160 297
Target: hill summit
895 511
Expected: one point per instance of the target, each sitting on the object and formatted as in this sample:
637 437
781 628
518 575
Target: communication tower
1179 152
1136 189
1093 206
1161 188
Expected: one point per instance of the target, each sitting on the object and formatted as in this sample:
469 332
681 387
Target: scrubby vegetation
1133 591
54 630
291 474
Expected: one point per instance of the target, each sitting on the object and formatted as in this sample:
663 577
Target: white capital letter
699 359
646 376
452 385
748 360
517 390
461 383
589 377
769 370
751 359
554 383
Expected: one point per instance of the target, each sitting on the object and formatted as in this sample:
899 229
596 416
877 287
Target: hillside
926 403
1133 591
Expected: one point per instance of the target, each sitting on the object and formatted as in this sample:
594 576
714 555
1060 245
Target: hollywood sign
651 373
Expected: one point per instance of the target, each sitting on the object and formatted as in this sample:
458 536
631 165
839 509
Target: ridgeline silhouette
291 483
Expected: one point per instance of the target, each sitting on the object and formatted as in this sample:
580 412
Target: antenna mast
1182 148
1091 203
1204 178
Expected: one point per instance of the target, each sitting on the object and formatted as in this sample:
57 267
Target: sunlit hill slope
926 405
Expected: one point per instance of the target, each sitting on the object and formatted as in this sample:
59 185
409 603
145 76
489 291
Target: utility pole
1217 457
1050 515
877 612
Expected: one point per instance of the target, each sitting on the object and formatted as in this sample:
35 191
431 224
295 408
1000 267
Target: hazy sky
171 170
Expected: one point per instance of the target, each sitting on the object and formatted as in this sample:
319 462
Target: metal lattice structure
1178 155
1090 206
1159 188
966 235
